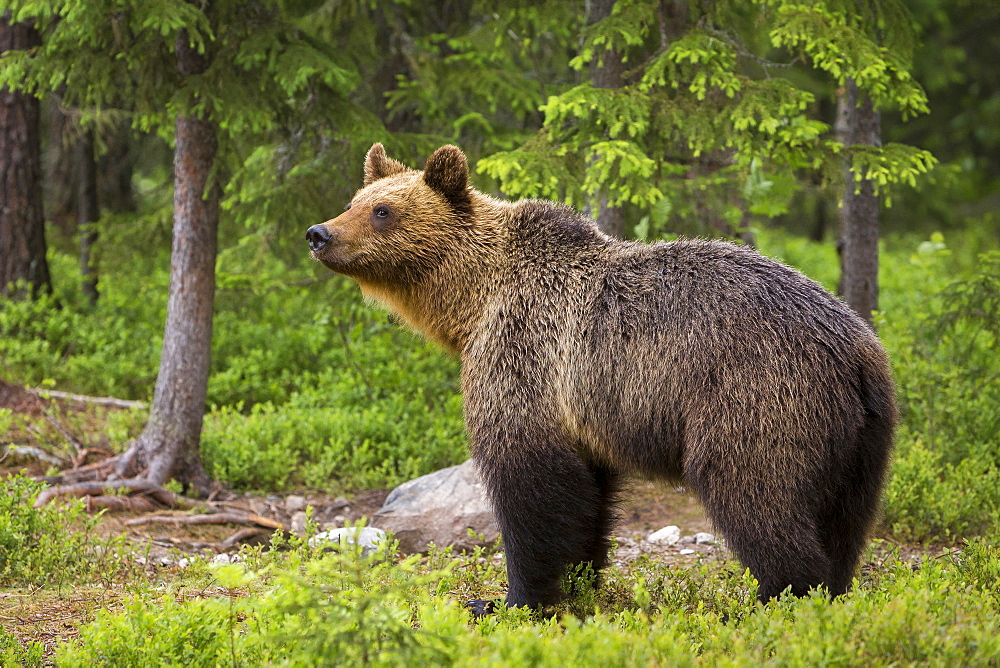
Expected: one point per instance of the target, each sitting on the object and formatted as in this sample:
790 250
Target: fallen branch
61 428
104 401
213 518
37 453
165 497
242 536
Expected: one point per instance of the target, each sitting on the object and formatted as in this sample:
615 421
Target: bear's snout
317 236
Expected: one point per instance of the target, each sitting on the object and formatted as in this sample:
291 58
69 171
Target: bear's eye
348 207
381 211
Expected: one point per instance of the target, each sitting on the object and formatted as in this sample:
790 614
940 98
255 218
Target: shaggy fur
586 358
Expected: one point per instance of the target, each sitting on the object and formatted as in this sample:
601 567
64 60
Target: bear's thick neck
447 302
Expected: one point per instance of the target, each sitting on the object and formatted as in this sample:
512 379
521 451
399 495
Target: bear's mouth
338 259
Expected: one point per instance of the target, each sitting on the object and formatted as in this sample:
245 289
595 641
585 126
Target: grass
312 389
301 607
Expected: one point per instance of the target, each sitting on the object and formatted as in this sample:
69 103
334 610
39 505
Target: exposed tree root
244 535
80 459
212 518
98 489
98 471
128 504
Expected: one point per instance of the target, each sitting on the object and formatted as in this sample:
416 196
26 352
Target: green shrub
347 610
323 443
13 654
47 545
931 499
946 477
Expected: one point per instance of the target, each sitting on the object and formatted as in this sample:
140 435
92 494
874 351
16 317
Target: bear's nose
317 236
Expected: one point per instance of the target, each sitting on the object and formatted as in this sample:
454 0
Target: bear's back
630 342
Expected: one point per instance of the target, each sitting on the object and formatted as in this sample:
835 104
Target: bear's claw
480 608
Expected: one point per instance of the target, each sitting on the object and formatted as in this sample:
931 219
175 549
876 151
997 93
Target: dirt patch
53 616
19 400
649 506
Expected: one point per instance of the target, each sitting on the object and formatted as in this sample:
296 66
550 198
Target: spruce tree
211 78
24 269
717 117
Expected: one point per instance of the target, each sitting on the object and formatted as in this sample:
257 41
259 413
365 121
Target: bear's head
401 223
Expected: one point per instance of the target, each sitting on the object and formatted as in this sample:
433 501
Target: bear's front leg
551 507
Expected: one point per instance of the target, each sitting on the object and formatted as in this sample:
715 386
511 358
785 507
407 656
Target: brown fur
585 358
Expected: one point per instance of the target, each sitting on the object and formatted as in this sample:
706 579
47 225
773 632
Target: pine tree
23 266
211 77
717 117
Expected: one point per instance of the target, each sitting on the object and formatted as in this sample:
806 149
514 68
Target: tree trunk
606 71
87 213
169 447
22 225
858 123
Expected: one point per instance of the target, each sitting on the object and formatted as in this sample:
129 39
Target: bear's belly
646 445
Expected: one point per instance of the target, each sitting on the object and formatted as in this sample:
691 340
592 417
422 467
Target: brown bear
586 358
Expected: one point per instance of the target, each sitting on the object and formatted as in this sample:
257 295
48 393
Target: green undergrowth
311 387
54 545
308 608
289 603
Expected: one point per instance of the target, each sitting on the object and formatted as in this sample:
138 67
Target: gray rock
298 523
687 540
369 538
665 536
704 538
295 503
439 508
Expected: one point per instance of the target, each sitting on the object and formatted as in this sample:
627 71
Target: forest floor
65 430
69 431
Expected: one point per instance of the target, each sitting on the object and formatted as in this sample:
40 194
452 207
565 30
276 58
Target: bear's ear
378 165
447 171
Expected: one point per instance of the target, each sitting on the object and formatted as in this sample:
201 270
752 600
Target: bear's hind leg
783 556
777 540
847 519
549 506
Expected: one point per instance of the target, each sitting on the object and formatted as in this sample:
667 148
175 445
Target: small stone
687 550
183 562
295 503
704 538
226 558
299 523
369 538
340 519
665 536
339 502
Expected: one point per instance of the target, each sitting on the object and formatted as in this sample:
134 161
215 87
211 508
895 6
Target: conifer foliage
718 114
209 77
650 113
